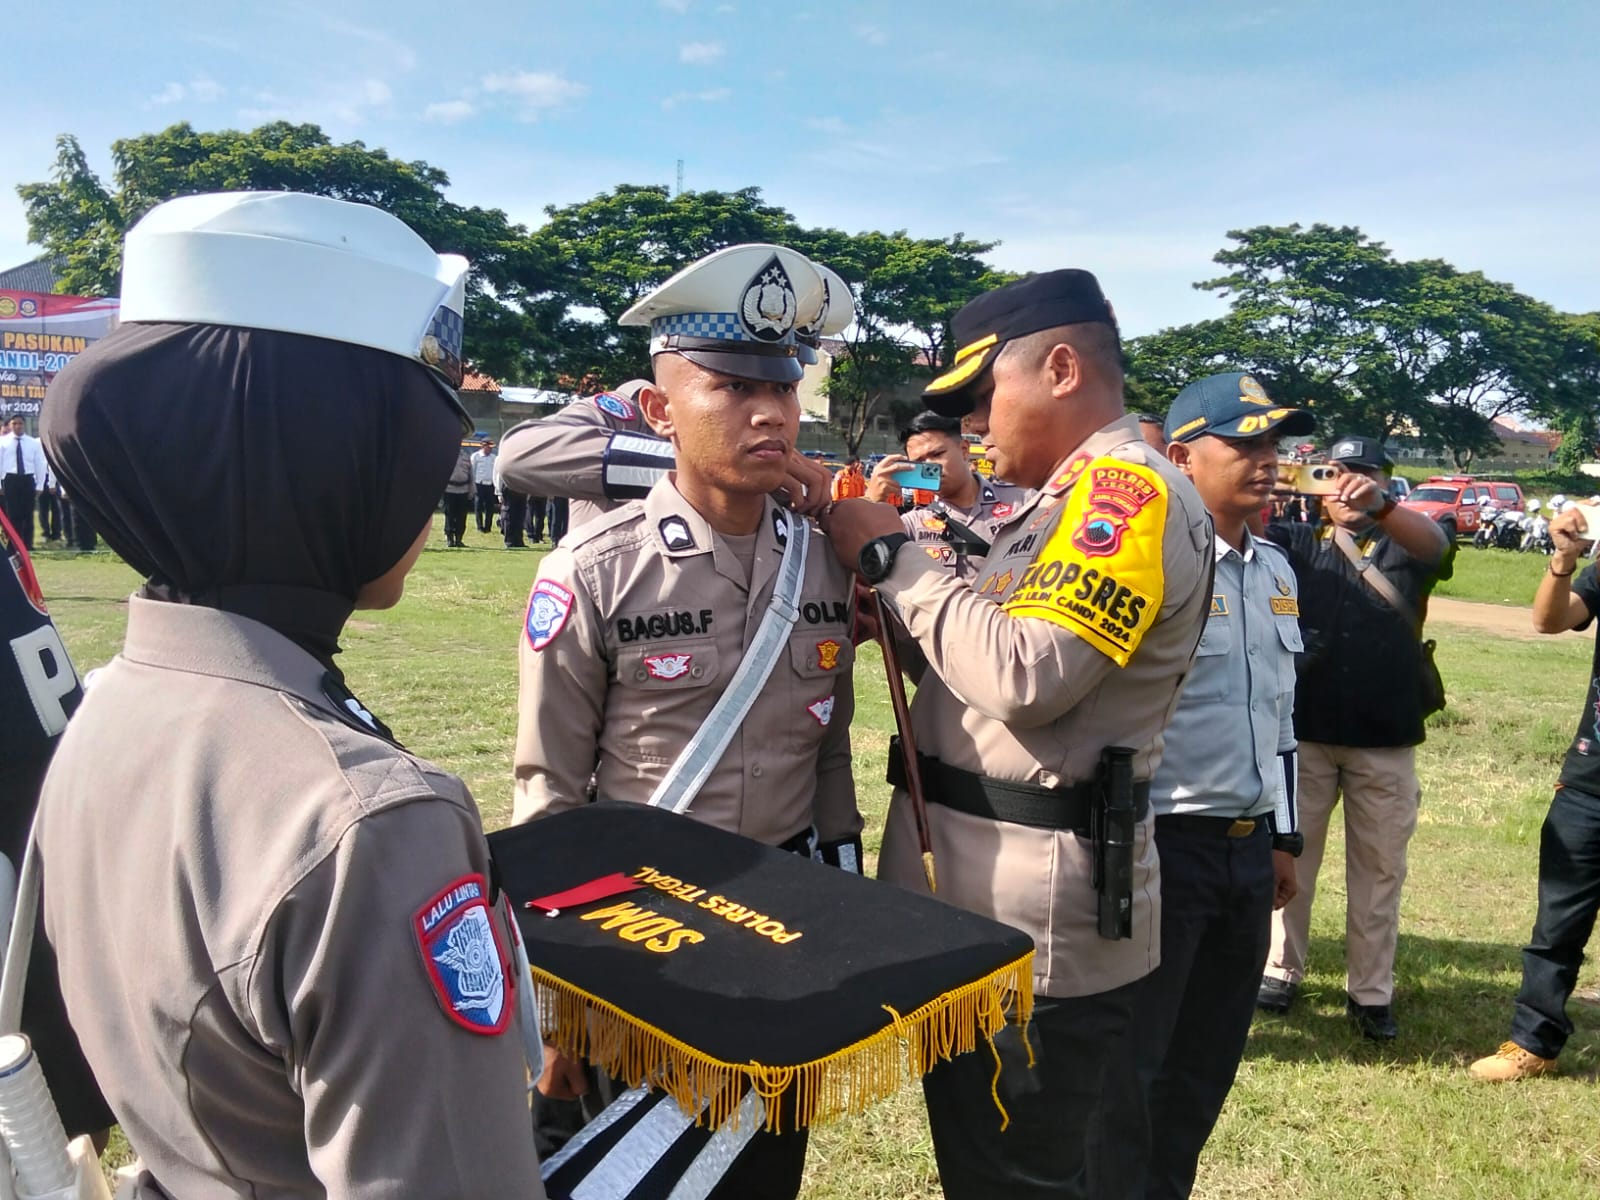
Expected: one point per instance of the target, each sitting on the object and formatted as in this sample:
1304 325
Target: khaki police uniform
562 454
633 633
1074 636
1018 698
993 508
280 951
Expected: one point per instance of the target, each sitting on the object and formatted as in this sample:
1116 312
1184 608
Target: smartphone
1591 523
923 476
1310 479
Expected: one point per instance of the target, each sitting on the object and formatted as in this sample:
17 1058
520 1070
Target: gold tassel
844 1082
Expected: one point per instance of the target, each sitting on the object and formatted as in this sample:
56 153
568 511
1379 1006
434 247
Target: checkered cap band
724 327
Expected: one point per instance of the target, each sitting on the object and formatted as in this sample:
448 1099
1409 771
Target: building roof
472 381
40 275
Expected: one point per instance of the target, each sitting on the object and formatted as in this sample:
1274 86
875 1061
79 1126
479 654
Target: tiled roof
474 382
36 276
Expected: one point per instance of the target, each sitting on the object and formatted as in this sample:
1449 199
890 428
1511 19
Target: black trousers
1043 1153
484 506
49 515
513 514
1172 1071
456 505
18 493
1569 896
558 518
75 527
538 506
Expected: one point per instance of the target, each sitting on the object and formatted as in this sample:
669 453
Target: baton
908 743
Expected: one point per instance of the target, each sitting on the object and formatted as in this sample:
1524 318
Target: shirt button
756 770
696 672
641 676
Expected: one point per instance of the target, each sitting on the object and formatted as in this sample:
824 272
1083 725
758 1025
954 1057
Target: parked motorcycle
1536 531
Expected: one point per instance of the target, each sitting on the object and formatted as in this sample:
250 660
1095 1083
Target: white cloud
700 53
826 124
448 112
872 35
536 91
709 96
676 6
201 91
351 103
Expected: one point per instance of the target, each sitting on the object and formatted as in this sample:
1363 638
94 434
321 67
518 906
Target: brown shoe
1510 1063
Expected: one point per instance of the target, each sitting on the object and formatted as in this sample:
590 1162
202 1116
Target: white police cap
834 317
735 311
297 263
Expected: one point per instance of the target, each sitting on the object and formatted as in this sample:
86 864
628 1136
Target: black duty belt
1066 807
1233 827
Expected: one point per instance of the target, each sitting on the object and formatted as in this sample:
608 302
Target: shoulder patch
614 405
462 953
549 606
1100 573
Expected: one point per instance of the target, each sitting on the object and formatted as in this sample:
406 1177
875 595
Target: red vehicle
1454 500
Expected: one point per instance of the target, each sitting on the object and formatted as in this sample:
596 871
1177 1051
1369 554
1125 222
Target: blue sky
1125 138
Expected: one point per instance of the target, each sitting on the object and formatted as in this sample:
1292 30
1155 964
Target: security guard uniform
995 504
1074 637
1222 807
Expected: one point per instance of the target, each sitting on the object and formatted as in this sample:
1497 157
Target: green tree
76 215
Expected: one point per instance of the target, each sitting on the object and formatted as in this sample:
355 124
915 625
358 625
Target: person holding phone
1569 843
933 441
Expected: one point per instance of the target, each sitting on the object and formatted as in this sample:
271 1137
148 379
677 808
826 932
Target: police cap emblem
767 308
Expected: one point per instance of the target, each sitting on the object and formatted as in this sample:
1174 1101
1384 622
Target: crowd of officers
282 898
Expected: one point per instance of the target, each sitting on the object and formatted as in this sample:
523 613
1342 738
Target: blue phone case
920 477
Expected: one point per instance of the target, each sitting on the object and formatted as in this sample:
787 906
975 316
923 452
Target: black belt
1068 807
1234 827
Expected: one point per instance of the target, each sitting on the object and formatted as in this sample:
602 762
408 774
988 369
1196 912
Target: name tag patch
549 606
1286 606
461 950
1100 574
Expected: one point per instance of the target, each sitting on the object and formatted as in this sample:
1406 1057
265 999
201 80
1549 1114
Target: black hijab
267 474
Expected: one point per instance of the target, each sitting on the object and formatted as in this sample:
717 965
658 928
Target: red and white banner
40 334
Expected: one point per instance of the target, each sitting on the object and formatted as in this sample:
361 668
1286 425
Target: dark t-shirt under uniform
1358 680
1581 768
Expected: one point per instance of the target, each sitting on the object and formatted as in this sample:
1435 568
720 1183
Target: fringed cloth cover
732 966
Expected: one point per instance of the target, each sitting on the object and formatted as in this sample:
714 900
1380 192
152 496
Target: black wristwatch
877 556
1292 844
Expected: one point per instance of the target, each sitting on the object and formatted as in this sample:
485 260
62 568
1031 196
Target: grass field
1317 1114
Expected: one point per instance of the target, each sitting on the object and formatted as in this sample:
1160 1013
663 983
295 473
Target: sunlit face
1018 417
1234 476
946 449
730 433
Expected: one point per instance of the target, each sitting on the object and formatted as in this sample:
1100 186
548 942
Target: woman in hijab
279 937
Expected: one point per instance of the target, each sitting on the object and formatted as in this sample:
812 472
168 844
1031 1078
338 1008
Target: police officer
279 938
636 626
484 504
600 452
1224 808
1073 638
977 503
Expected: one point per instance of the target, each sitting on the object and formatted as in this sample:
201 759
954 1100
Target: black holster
1111 830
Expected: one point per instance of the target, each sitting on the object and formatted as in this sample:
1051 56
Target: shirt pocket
1208 677
666 690
818 659
1293 648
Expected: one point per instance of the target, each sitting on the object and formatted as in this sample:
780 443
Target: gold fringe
846 1081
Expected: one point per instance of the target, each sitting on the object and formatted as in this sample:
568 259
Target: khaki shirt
633 632
560 455
1017 695
236 875
993 508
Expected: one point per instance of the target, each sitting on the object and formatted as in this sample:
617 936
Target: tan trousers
1381 795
